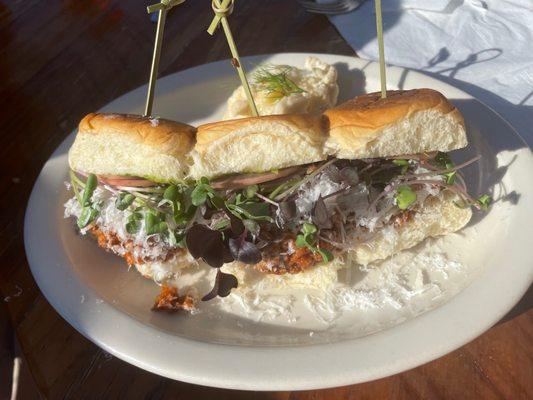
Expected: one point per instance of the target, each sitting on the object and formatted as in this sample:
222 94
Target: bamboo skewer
381 48
222 10
162 8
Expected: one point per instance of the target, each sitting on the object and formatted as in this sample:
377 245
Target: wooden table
62 59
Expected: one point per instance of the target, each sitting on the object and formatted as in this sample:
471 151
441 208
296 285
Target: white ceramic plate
95 293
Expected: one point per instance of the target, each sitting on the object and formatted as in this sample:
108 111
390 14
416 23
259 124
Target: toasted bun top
168 137
131 145
405 122
371 111
307 128
258 144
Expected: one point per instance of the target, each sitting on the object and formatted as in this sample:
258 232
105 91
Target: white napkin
484 47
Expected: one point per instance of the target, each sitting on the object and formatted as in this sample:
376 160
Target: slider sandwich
122 173
282 194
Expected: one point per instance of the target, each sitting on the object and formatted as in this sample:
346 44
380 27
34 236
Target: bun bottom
166 272
439 216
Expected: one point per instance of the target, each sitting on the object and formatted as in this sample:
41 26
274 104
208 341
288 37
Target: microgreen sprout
484 202
134 222
154 224
251 210
171 193
89 211
124 200
307 239
404 197
88 191
250 191
402 163
444 161
87 215
201 192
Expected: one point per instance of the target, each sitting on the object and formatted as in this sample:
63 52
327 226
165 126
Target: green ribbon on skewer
162 7
222 10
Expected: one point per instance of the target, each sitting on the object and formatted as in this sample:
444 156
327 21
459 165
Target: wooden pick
381 48
162 8
222 10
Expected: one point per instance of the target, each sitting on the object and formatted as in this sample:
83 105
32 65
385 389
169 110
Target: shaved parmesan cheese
327 292
112 220
322 185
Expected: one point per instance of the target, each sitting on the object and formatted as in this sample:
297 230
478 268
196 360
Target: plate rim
227 378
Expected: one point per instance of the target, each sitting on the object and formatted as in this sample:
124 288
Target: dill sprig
274 80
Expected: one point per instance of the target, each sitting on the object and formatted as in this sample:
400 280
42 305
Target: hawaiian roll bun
131 145
438 216
405 122
257 144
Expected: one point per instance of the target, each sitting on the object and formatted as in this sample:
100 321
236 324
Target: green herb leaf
300 241
484 202
402 163
251 226
443 160
162 227
171 193
216 201
239 199
154 225
133 225
87 215
327 256
405 197
182 218
90 185
308 228
257 211
308 231
280 188
307 240
124 200
151 223
199 195
461 204
450 177
250 191
221 224
202 192
275 82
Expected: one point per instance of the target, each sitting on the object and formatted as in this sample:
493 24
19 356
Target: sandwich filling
279 222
